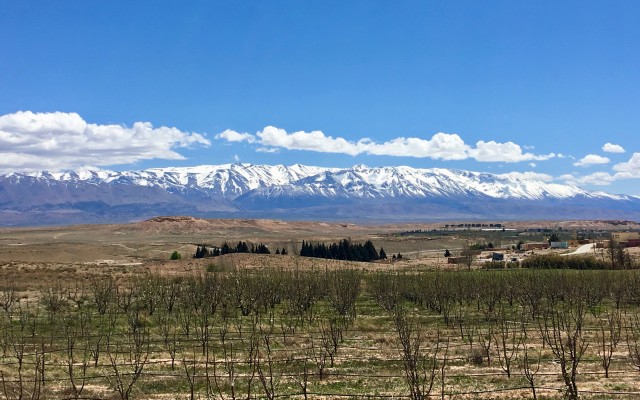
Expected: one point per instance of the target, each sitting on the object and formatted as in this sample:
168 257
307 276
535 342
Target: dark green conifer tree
383 255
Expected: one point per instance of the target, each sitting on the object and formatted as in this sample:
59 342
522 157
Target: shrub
477 356
494 265
175 256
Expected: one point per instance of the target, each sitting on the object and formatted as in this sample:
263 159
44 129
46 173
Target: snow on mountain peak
360 181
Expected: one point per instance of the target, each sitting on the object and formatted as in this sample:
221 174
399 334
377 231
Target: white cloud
612 148
441 146
37 141
591 159
267 150
530 176
597 178
626 170
236 158
629 169
503 152
533 165
312 141
568 178
233 136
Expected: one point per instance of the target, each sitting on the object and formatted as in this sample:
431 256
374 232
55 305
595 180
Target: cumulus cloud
58 140
570 179
597 178
311 141
625 170
567 178
441 146
233 136
629 169
591 159
612 148
503 152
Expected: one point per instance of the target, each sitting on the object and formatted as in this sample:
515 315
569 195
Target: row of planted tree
305 334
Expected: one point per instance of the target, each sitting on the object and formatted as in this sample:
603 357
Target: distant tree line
554 261
203 251
481 246
473 226
343 250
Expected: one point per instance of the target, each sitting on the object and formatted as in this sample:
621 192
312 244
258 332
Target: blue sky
545 88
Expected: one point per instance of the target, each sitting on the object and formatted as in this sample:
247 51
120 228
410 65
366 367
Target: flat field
100 312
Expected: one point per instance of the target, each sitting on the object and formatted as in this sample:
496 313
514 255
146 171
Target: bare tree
561 330
149 293
125 297
105 326
331 337
190 373
102 290
76 294
170 290
608 338
468 255
8 297
343 292
74 332
485 338
167 325
53 299
530 370
420 367
320 355
16 385
229 374
185 317
618 255
633 340
385 289
128 359
470 334
443 365
508 339
265 365
303 378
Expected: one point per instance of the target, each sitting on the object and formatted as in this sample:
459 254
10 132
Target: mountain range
296 192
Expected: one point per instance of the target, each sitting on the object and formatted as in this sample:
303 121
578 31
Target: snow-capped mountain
298 191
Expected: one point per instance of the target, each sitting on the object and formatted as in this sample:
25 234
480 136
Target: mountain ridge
303 191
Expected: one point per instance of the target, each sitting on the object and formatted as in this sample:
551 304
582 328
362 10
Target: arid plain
240 326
